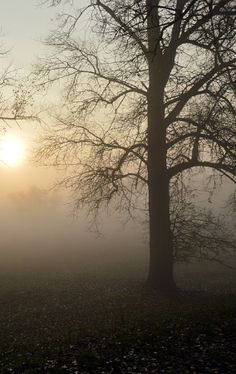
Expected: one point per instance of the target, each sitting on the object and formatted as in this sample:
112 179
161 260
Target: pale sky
23 24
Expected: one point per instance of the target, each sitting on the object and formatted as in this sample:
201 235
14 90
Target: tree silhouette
149 96
15 97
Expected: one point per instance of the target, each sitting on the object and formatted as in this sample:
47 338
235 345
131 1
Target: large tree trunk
160 274
161 244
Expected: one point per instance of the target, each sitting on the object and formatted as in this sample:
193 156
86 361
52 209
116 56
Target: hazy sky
24 23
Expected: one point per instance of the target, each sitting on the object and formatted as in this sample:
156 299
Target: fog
40 235
40 231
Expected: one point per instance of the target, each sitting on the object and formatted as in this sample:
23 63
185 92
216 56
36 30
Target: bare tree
200 234
15 97
149 96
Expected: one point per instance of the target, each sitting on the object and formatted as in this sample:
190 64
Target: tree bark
161 260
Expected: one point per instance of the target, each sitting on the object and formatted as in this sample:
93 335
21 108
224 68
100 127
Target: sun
11 151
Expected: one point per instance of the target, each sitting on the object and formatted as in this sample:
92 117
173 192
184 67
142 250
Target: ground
104 321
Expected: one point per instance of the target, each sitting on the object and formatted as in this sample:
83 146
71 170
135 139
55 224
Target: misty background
38 227
40 235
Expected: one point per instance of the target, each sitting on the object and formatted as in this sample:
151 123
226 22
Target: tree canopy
106 81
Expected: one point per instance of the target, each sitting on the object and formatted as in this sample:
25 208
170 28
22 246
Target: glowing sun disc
11 151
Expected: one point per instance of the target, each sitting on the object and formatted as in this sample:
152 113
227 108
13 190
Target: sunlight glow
11 151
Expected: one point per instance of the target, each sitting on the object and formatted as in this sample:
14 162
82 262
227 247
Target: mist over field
40 231
42 236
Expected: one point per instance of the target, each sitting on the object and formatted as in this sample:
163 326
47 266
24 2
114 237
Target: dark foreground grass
96 324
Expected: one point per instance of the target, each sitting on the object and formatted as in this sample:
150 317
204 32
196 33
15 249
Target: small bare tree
149 96
15 97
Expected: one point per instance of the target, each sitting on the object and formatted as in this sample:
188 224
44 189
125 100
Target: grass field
96 317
